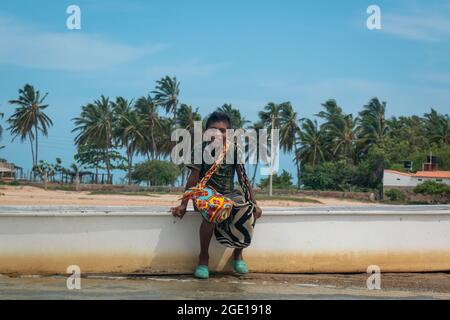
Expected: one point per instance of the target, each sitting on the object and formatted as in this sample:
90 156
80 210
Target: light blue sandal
201 272
240 266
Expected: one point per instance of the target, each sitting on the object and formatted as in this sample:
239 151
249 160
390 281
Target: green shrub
432 188
281 181
395 194
156 173
337 175
9 183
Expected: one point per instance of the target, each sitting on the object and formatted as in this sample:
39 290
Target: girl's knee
206 224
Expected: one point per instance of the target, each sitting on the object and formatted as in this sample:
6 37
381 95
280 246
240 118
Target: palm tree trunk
130 163
254 174
153 140
314 157
297 162
36 149
108 166
32 150
271 156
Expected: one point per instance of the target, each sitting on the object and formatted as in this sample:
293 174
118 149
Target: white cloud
27 46
425 27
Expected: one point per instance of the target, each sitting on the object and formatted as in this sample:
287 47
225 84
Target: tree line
331 150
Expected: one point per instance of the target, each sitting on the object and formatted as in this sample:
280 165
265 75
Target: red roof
433 174
424 174
399 172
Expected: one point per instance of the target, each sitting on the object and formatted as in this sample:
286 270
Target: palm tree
148 110
167 92
186 117
312 139
438 127
95 125
163 137
340 130
237 121
289 132
271 113
129 129
135 131
345 134
29 119
254 152
270 118
332 114
373 125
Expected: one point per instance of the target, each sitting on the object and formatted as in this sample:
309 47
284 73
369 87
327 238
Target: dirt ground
27 195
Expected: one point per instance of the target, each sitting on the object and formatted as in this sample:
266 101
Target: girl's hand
179 211
257 212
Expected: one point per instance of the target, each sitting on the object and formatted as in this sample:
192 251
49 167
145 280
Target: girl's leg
237 254
238 262
206 232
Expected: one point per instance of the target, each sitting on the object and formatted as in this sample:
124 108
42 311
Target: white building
399 179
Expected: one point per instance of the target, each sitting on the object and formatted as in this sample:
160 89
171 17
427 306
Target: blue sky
242 52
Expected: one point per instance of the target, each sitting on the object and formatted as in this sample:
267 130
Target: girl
223 182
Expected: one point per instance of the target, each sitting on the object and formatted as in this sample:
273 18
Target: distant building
404 180
9 170
408 180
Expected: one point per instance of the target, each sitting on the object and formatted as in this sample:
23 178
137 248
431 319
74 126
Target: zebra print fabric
237 230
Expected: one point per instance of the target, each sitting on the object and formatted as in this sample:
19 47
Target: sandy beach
27 195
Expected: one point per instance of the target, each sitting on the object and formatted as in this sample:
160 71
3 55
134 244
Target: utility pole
271 155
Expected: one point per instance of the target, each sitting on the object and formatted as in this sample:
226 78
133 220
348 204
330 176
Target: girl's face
222 127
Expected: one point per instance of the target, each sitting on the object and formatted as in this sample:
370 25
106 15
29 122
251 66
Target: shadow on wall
185 233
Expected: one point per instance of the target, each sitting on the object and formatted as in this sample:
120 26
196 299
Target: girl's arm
180 210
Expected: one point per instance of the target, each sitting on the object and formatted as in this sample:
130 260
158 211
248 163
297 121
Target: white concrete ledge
46 240
69 210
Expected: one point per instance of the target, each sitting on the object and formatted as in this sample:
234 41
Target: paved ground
253 286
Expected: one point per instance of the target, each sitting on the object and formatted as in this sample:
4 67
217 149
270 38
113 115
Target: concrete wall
391 179
46 240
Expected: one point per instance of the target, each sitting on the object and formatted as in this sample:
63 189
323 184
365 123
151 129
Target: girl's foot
201 272
240 266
